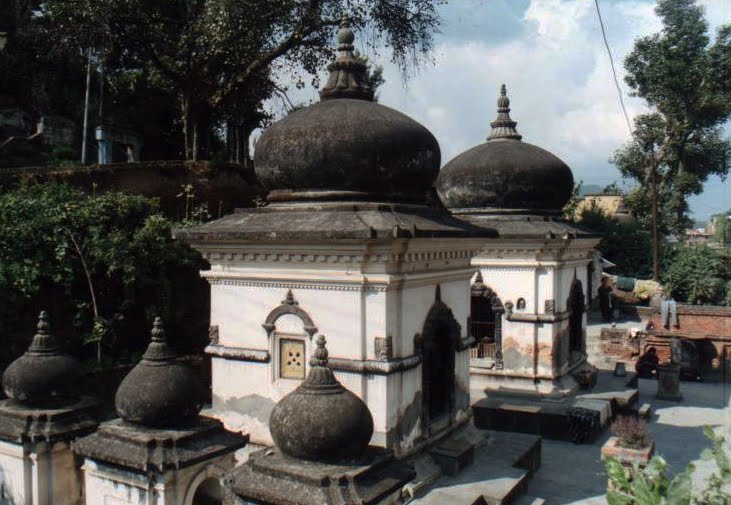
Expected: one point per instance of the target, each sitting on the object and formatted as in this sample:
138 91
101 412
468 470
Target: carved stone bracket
465 343
383 348
213 334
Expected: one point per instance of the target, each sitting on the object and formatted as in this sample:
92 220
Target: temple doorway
439 341
576 306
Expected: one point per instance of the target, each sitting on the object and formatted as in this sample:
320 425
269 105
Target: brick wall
224 186
709 327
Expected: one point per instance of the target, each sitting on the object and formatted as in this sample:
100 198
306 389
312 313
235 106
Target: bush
52 236
631 432
695 274
652 486
624 244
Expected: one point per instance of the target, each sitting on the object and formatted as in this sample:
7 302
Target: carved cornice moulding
238 353
214 256
338 282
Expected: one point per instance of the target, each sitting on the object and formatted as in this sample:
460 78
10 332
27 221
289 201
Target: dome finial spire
503 127
43 341
158 349
348 74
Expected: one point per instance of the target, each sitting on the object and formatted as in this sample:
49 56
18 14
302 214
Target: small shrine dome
321 420
43 377
505 175
347 147
160 391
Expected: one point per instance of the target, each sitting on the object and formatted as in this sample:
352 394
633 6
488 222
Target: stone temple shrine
349 247
442 317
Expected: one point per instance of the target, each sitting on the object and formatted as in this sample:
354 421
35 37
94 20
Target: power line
614 70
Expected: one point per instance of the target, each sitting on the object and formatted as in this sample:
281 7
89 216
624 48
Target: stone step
504 463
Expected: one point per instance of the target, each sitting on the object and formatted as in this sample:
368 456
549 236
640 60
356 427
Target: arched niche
290 330
206 487
486 310
289 306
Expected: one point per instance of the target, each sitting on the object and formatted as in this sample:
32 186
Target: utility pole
655 224
86 111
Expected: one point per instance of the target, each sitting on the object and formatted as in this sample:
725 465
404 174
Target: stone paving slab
573 474
493 477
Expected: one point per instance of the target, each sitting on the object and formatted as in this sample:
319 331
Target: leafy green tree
722 228
208 51
626 245
102 266
696 274
684 78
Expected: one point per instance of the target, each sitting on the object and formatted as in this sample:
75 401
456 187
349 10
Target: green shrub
52 236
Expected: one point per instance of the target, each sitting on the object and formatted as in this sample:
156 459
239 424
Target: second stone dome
347 147
504 174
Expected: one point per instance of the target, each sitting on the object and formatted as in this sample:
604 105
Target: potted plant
631 444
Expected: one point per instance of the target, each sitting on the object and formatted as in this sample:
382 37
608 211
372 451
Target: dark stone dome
347 147
160 391
505 174
43 376
321 420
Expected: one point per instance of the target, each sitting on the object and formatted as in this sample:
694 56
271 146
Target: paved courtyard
574 474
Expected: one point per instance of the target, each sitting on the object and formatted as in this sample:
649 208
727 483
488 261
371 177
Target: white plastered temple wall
370 301
534 338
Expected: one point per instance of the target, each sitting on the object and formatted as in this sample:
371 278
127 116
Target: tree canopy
220 59
684 78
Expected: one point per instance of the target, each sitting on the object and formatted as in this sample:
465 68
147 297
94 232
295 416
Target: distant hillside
590 188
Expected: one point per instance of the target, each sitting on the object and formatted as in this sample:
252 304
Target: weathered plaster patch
461 395
514 358
248 415
408 425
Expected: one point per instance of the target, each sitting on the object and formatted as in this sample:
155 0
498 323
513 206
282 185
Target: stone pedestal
668 382
270 477
127 464
36 462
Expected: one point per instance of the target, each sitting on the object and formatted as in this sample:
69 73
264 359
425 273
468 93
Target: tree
210 51
722 227
626 245
102 266
678 144
695 274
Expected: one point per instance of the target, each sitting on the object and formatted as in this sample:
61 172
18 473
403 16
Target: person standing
605 299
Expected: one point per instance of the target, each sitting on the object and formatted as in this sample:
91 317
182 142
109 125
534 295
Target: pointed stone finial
503 127
158 349
158 330
289 299
345 35
438 293
347 73
478 277
319 357
43 341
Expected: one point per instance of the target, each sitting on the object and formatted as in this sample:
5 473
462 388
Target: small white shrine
159 450
347 247
38 422
529 294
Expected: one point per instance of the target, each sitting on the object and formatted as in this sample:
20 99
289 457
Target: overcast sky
551 56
